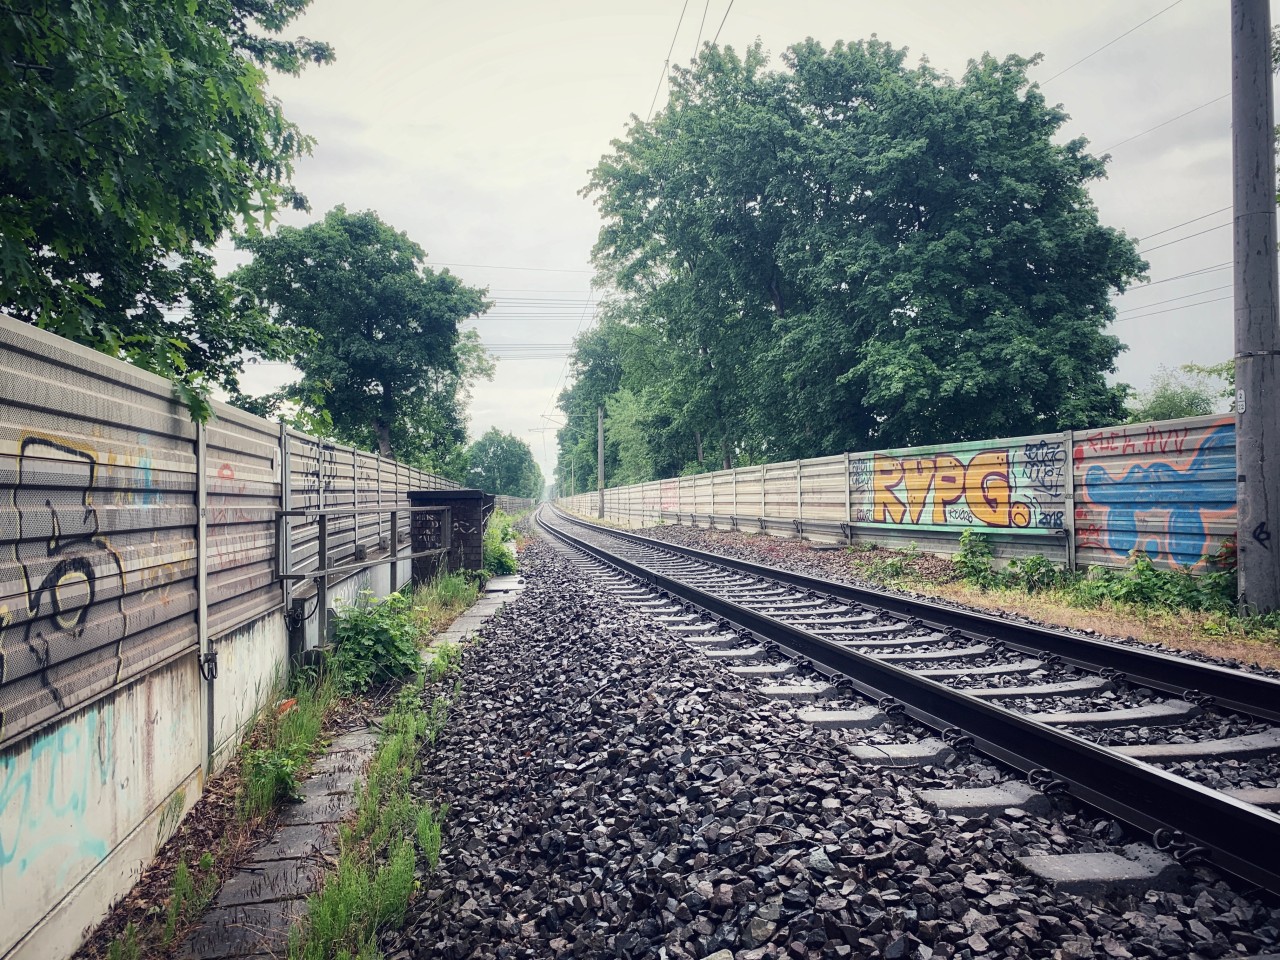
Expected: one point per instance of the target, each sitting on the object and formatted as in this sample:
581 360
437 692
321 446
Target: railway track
1049 704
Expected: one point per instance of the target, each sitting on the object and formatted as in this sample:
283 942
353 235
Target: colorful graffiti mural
970 485
1168 491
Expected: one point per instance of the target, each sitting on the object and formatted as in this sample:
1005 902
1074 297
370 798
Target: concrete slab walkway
252 914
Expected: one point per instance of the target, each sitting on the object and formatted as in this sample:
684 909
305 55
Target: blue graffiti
1206 484
45 792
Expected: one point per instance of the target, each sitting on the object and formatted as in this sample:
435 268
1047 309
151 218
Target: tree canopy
503 463
1190 391
848 253
387 368
134 136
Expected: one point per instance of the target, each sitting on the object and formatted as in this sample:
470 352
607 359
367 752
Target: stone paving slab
296 841
243 931
270 880
319 808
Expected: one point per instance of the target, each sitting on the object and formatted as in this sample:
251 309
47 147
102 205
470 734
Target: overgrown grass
378 852
285 739
439 602
1174 607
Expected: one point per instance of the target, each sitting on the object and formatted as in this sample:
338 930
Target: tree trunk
383 431
697 436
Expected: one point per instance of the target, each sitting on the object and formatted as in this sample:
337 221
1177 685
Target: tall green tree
1190 391
388 368
503 463
134 136
851 252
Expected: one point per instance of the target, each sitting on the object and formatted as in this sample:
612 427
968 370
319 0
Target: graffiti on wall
1010 488
1167 487
45 794
72 580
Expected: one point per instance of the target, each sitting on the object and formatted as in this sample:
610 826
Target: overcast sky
471 126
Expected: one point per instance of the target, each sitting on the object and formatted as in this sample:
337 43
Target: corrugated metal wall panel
97 526
242 462
1168 489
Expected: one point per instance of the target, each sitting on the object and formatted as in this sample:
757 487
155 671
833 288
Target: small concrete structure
1090 874
995 800
1236 748
920 753
860 718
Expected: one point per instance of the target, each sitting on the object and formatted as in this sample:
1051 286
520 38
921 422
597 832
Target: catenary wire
1189 236
1185 306
1184 223
666 64
1187 113
1110 42
1185 296
1193 273
698 45
722 20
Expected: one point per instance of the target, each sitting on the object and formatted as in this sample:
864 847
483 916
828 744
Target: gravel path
613 794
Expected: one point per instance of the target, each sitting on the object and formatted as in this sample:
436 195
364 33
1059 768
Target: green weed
126 946
188 900
375 642
499 559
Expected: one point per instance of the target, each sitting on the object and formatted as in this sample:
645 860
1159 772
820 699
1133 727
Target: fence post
1069 496
799 502
764 476
285 528
735 494
711 520
848 498
206 663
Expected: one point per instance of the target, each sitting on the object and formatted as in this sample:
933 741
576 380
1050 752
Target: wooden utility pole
1257 321
600 459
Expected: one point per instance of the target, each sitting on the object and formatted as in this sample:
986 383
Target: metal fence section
513 504
98 489
1083 498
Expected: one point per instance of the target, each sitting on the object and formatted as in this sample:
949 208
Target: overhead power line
722 20
1185 223
1189 236
1187 113
1185 296
499 266
1110 42
1194 273
1185 306
698 45
666 64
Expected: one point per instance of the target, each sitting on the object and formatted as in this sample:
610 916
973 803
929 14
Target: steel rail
1239 838
1236 690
